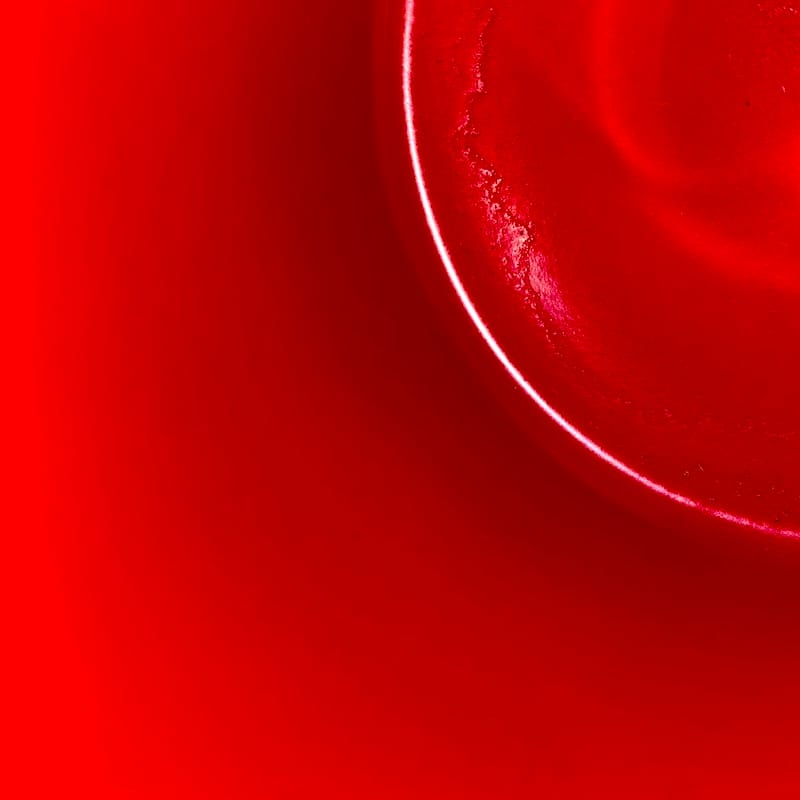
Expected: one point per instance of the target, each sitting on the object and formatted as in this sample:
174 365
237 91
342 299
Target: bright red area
266 532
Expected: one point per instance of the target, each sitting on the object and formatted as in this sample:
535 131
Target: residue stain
525 266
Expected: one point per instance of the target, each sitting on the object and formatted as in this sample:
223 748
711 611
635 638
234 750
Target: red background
268 531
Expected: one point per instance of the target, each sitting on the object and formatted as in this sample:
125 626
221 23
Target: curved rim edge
469 306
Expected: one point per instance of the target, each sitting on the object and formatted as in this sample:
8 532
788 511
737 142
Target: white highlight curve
494 345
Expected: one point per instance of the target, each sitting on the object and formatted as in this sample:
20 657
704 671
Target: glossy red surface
613 189
269 532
